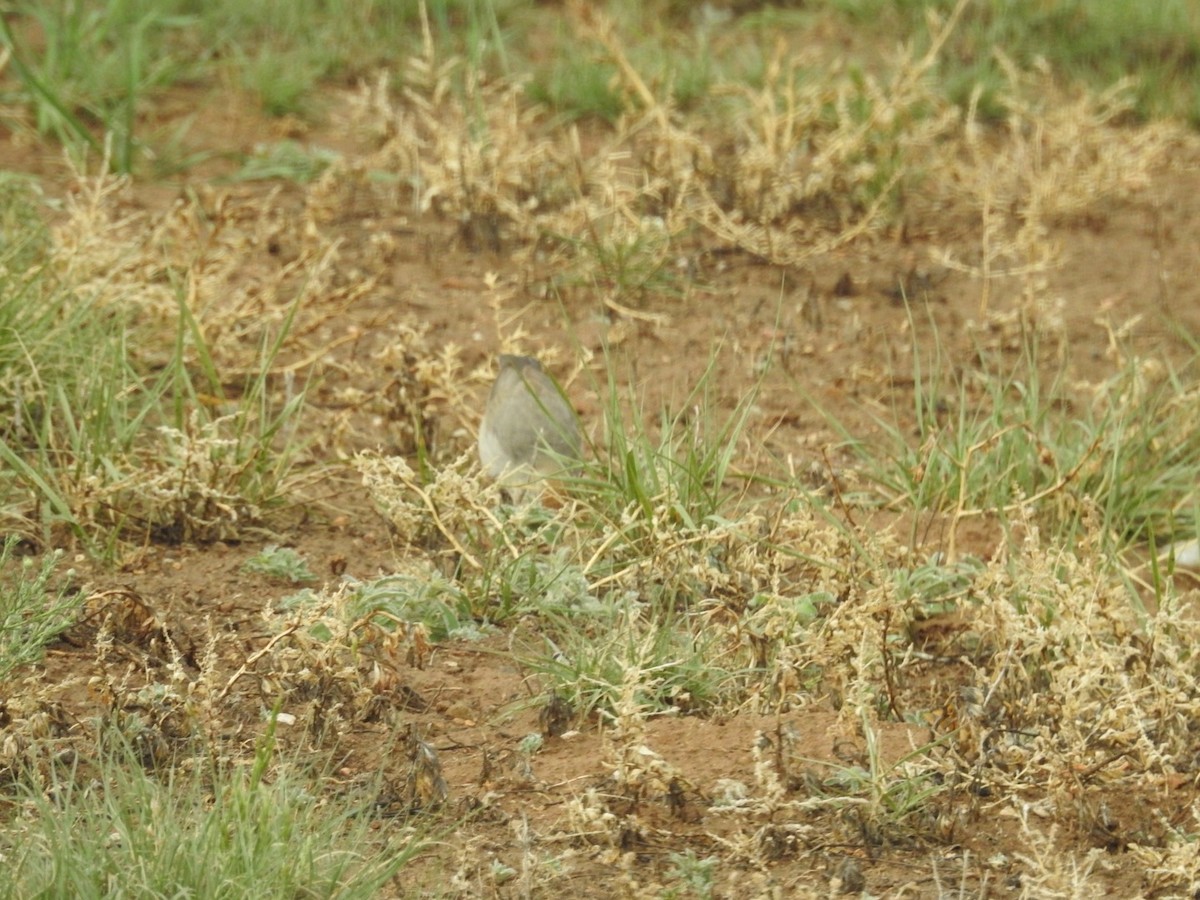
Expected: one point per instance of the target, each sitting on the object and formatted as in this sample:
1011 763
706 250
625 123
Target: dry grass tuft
1054 164
792 169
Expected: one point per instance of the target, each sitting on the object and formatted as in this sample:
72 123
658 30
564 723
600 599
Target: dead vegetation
1010 717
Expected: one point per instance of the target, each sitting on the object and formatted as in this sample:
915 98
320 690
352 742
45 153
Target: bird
529 430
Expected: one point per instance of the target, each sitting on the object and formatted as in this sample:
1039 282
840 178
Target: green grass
33 611
998 438
660 497
89 71
286 160
885 802
282 563
662 664
84 68
112 828
1094 44
120 448
671 475
578 87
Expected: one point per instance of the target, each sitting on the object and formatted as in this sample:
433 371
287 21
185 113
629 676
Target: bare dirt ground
835 331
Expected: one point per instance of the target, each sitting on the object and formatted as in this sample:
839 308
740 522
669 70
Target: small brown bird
529 430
